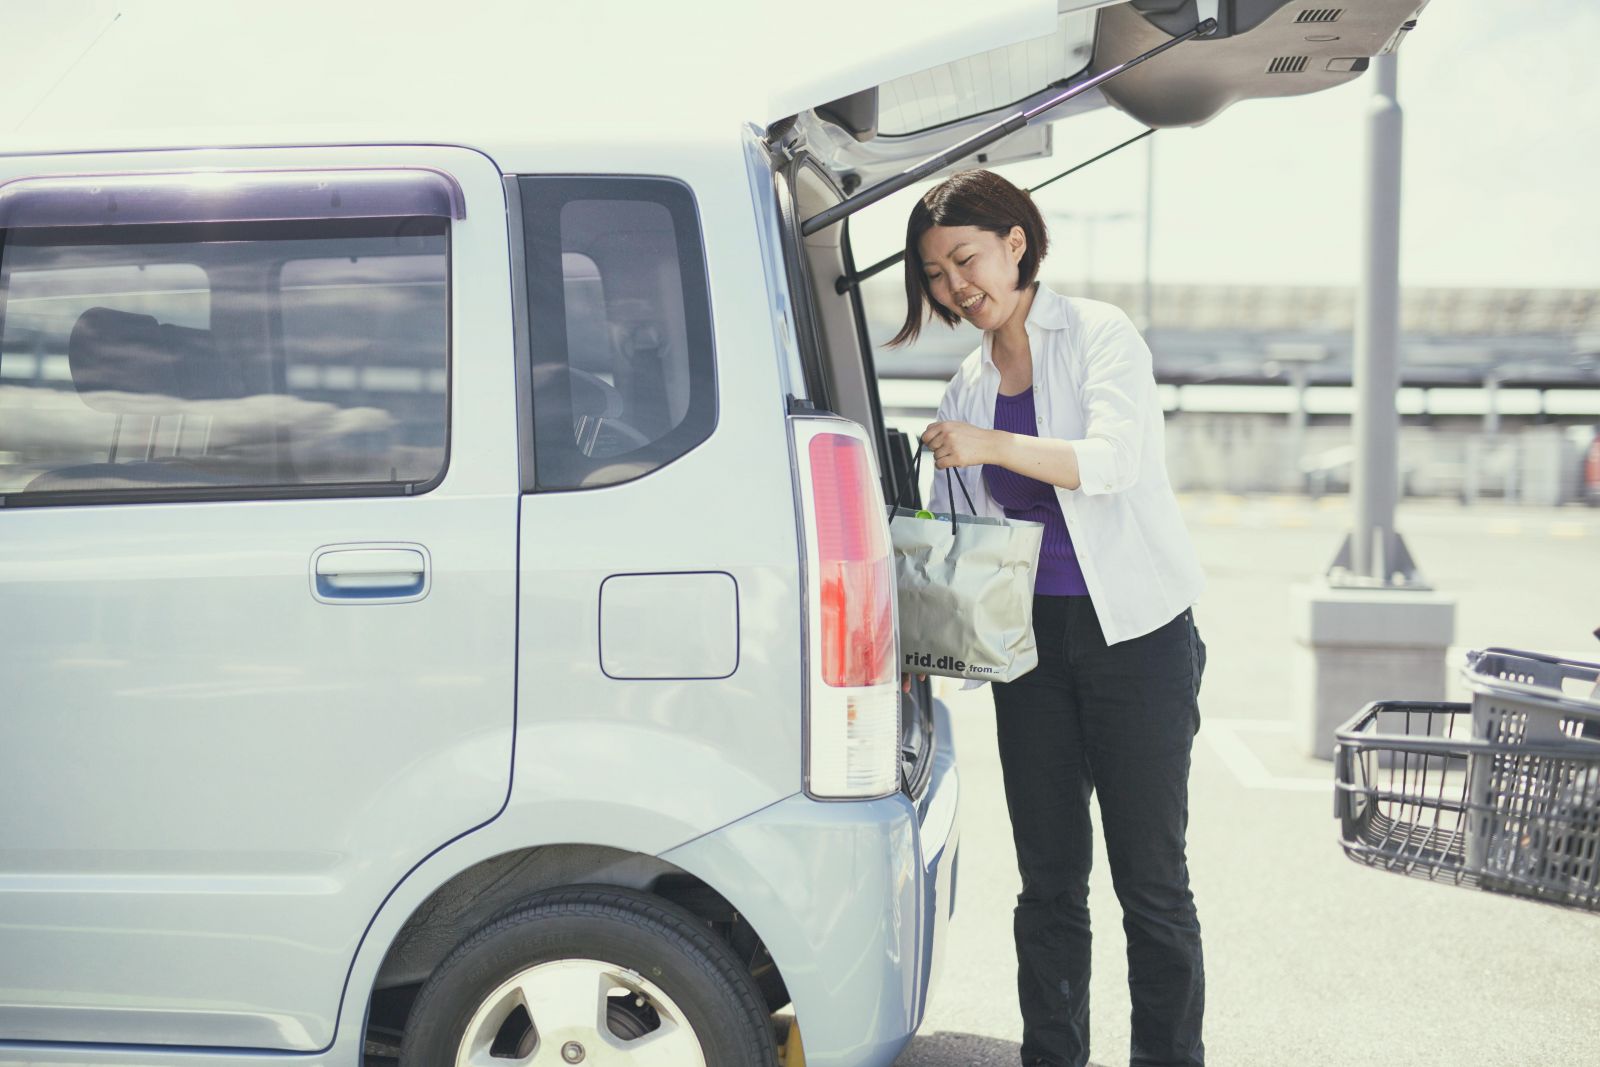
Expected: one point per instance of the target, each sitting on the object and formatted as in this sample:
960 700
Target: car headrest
588 346
126 363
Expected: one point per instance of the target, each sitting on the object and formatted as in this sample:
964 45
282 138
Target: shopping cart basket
1500 794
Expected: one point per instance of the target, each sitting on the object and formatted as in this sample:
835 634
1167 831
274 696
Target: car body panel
223 775
852 901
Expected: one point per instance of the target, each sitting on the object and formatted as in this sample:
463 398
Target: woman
1058 413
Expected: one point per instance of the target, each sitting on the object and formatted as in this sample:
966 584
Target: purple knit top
1035 501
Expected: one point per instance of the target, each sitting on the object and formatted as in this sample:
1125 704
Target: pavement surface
1311 960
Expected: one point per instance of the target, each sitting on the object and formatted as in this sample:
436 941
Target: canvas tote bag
965 586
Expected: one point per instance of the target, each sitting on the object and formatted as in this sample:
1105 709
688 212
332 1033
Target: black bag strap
949 476
914 480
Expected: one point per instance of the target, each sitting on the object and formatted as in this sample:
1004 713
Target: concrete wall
1252 453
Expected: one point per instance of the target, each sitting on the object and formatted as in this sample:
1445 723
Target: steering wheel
597 428
593 432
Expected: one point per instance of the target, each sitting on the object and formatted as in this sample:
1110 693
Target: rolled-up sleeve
1119 398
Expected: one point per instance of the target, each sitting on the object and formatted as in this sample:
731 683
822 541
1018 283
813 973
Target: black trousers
1118 720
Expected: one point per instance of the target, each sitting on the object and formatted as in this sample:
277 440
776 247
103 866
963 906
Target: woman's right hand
961 444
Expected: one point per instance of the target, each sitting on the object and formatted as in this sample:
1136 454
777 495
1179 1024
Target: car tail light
854 573
854 701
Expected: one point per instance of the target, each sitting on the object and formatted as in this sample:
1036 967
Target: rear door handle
370 573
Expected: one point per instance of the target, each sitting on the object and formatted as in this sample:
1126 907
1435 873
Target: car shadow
949 1049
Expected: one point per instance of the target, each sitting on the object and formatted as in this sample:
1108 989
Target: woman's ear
1017 243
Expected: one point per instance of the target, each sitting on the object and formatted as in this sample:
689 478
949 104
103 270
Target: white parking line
1227 739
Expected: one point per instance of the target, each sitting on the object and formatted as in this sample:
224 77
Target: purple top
1035 501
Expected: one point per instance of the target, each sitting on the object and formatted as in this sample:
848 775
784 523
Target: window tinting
619 327
265 356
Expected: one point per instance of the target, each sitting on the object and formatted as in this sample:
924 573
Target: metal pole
1299 375
846 282
1146 302
1375 479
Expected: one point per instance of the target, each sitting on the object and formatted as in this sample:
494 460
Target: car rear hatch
895 92
886 95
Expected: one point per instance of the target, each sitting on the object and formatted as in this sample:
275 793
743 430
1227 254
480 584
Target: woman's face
973 272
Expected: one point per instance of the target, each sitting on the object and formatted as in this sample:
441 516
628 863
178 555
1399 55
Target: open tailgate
865 116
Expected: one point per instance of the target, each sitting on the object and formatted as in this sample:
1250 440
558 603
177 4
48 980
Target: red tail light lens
854 573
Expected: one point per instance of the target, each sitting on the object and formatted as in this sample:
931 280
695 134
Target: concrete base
1353 646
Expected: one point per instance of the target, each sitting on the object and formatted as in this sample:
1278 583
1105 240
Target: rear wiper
846 282
984 138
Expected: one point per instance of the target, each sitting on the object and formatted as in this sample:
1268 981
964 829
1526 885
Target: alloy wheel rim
579 1013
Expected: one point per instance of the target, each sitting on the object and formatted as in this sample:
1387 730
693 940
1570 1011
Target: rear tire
614 975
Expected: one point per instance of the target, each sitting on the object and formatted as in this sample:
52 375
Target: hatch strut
845 282
987 137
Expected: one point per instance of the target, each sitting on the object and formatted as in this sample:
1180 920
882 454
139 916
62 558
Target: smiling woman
987 240
1059 412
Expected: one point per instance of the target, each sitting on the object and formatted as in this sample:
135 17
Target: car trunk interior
844 352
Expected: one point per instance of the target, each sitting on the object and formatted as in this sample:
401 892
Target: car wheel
594 976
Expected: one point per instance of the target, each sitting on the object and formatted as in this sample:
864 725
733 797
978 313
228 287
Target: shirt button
1040 420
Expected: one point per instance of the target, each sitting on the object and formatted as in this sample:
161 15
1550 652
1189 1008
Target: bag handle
949 476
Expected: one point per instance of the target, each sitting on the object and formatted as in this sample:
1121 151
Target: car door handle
368 573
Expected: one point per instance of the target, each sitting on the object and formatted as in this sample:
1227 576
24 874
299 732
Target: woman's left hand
960 444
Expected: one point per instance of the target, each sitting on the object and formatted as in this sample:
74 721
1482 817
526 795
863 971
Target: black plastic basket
1520 697
1418 793
1402 773
1540 784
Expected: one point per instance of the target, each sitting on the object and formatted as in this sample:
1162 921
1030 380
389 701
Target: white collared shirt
1094 385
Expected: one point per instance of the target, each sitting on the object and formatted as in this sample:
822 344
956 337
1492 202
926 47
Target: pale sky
1502 156
1502 163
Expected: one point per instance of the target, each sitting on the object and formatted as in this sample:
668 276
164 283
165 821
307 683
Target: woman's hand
1046 459
961 444
905 681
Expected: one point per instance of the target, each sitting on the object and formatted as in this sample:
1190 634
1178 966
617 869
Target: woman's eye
964 262
933 278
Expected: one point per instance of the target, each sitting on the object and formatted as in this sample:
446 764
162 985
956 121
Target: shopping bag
965 585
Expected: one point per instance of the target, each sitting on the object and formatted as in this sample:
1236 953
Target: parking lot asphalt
1311 960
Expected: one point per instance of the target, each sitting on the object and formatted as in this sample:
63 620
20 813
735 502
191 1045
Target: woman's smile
973 274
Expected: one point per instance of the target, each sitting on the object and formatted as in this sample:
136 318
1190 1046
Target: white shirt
1094 385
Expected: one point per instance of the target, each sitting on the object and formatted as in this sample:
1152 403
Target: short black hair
978 198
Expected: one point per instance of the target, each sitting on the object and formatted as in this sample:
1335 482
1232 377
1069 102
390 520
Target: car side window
619 321
196 360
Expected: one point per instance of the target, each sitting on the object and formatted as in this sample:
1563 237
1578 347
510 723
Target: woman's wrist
1002 444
